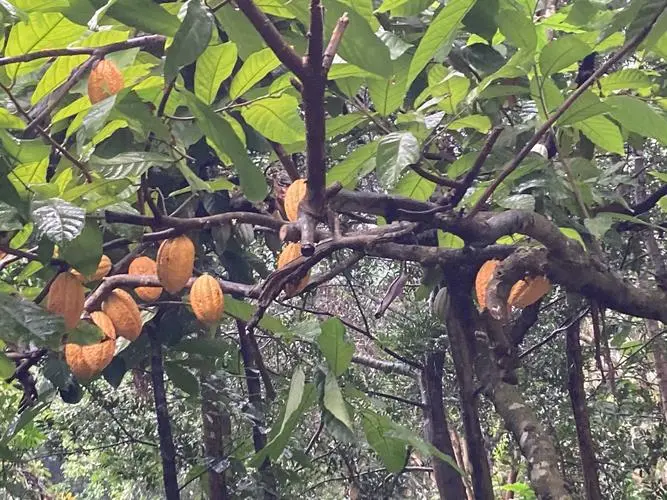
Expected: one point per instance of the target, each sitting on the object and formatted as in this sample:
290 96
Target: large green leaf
276 118
412 185
190 40
587 105
182 378
242 310
441 31
9 218
240 31
24 150
517 26
637 116
145 15
602 132
213 67
342 124
392 451
358 163
256 66
333 400
395 152
209 347
58 220
24 321
85 251
388 93
561 53
130 164
337 351
8 120
225 141
628 78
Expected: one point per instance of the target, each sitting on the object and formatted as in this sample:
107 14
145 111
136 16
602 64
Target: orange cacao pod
175 262
291 252
105 80
124 314
293 196
66 297
482 280
88 361
103 269
207 300
528 291
145 266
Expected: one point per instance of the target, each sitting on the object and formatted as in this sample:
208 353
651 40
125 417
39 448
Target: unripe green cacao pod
441 304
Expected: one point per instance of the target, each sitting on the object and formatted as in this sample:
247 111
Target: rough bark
575 368
167 450
449 482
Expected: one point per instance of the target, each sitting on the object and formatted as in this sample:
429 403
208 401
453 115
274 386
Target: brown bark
575 365
448 480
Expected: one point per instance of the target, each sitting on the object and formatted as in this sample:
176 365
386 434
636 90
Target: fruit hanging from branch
124 313
291 252
295 193
207 300
66 298
175 263
145 266
104 81
103 269
88 361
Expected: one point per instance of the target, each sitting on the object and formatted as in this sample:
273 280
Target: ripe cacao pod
124 314
528 291
290 252
145 266
293 196
441 304
88 361
105 80
484 276
207 300
66 297
103 269
175 262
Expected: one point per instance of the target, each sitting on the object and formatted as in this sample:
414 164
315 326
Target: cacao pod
105 80
175 262
207 300
293 196
103 269
290 252
88 361
441 304
528 291
2 254
66 298
145 266
124 314
484 276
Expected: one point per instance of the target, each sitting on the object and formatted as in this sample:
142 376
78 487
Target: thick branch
384 366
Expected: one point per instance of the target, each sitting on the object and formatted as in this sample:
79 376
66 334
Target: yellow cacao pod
175 262
207 300
66 297
293 196
145 266
124 314
291 252
105 80
528 291
88 361
103 269
484 276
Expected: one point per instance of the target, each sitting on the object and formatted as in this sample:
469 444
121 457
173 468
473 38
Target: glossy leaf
602 132
276 118
58 220
636 115
256 66
213 67
190 40
394 153
24 321
412 185
130 164
351 169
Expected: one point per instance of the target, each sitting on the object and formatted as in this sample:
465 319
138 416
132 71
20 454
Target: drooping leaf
388 93
58 220
561 53
337 351
333 400
190 40
256 66
395 152
85 333
481 123
8 120
391 451
213 67
637 116
182 378
240 31
517 26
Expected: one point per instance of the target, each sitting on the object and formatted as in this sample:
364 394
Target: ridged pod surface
103 268
124 314
528 291
290 252
105 80
207 300
293 196
482 280
175 262
145 266
88 361
66 297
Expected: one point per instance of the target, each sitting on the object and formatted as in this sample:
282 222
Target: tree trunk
578 399
167 450
448 480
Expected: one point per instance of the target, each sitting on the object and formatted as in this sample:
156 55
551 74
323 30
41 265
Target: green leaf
395 152
388 94
41 31
333 400
449 240
518 202
240 31
572 234
129 164
342 124
85 251
242 310
352 168
276 118
208 347
561 53
24 150
225 141
629 78
600 224
586 106
190 40
637 116
58 220
602 132
255 67
194 181
7 366
220 184
85 333
182 378
9 218
213 67
412 185
388 5
145 15
24 321
8 120
517 27
440 32
481 123
337 351
391 451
